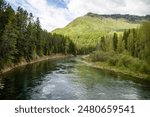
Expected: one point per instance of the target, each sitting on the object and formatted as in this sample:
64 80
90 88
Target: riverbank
38 59
106 66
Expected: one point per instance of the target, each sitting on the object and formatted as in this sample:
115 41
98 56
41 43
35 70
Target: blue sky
58 3
58 13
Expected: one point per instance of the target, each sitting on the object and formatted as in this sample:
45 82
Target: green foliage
134 64
121 45
23 38
130 51
145 68
123 61
113 60
8 48
101 56
86 31
115 41
98 56
102 44
144 35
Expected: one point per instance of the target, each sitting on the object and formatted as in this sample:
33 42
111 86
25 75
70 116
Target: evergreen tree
115 41
3 6
72 48
103 44
23 38
8 45
121 45
30 39
22 18
125 38
39 43
144 34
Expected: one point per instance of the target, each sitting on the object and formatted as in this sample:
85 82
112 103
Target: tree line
21 37
128 50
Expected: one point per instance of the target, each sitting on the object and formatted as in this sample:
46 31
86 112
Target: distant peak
128 17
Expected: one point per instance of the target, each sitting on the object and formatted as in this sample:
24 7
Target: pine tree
130 44
8 44
144 35
125 38
23 38
115 41
39 43
22 17
66 45
8 38
30 38
72 48
121 45
3 6
103 44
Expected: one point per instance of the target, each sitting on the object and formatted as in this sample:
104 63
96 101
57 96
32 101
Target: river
69 79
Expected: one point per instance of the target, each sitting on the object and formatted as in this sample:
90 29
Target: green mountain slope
85 31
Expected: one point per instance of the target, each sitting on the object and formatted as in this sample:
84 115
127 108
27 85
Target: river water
69 79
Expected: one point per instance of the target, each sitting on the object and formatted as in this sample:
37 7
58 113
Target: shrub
135 64
98 56
145 68
124 61
113 60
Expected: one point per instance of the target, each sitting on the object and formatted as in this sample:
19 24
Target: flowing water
69 79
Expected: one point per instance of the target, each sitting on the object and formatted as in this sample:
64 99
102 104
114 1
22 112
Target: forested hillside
129 51
120 42
22 38
85 31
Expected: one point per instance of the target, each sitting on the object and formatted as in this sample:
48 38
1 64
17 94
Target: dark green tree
115 41
102 44
8 38
39 42
22 18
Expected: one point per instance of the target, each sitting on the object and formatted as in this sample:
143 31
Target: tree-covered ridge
130 50
131 18
22 38
85 31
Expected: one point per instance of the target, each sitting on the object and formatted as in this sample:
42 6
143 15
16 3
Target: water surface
69 79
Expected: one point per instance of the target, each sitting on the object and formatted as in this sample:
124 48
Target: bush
121 60
113 60
145 68
135 64
124 61
98 56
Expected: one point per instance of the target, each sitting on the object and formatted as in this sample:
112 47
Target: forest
129 50
22 38
85 31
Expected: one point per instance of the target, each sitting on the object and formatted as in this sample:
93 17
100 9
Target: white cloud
52 17
136 7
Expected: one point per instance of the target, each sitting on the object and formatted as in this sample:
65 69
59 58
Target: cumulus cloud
53 15
136 7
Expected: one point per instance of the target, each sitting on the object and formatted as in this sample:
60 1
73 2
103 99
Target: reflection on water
69 79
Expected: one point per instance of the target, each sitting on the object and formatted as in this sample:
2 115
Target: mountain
86 31
131 18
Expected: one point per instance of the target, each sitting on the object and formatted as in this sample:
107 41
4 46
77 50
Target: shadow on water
69 79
